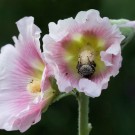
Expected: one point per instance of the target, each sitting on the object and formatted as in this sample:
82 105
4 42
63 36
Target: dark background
113 113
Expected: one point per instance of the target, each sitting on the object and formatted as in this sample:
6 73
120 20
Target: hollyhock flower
84 52
24 85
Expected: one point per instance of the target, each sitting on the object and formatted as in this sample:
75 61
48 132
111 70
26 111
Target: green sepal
127 30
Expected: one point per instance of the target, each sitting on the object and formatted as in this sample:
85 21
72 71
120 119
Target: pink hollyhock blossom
24 91
84 52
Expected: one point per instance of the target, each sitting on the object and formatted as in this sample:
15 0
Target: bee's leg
79 60
92 63
79 63
89 60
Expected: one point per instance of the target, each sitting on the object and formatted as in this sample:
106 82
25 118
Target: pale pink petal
14 96
19 65
29 34
61 29
89 88
63 84
114 49
107 58
83 16
117 63
28 29
29 117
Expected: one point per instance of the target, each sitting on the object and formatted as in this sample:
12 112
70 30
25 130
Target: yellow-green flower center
34 86
84 47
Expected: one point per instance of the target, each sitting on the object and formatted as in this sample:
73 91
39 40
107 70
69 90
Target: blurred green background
113 113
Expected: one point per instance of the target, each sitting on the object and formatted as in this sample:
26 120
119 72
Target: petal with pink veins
23 74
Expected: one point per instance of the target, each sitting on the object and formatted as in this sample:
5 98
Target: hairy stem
84 127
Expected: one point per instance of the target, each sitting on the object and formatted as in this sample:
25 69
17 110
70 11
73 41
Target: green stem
84 127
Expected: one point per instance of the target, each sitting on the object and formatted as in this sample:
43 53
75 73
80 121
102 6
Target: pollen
86 56
34 86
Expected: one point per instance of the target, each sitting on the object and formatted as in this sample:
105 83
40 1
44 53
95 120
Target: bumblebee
86 65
